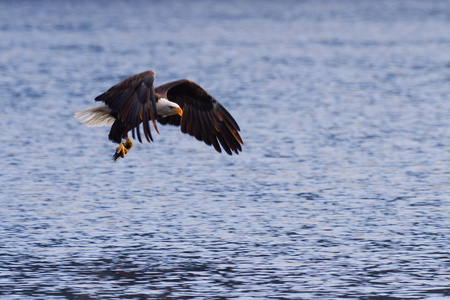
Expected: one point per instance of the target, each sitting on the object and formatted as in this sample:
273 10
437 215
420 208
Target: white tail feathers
95 116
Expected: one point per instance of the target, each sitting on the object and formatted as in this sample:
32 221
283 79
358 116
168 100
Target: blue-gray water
342 189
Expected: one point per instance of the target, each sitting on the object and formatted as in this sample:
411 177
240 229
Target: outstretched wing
134 102
203 116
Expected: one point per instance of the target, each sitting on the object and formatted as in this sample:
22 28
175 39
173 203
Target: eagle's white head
166 108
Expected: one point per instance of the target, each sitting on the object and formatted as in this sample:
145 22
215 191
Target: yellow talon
128 143
120 152
123 149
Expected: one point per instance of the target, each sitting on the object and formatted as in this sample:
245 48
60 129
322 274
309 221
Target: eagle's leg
128 144
120 152
123 149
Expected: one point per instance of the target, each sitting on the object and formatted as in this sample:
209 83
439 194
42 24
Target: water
342 188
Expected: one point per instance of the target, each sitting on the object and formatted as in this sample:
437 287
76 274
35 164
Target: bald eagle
181 103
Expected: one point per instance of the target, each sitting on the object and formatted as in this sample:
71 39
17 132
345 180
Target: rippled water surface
342 189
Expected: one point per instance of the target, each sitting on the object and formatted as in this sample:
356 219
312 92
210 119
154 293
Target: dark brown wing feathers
203 116
134 102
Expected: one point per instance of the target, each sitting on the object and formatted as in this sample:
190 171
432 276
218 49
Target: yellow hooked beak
178 111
